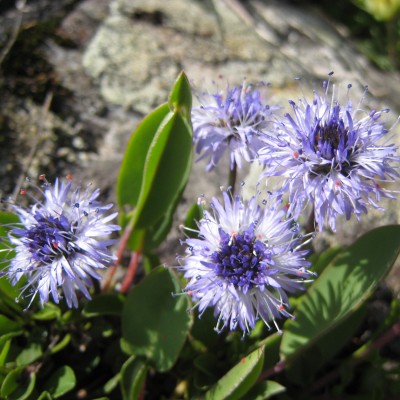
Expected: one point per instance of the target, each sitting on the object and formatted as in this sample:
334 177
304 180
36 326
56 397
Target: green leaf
7 219
133 374
8 326
320 261
104 304
19 384
45 396
112 383
156 234
180 98
265 390
61 344
8 293
154 323
48 312
342 288
150 261
4 352
165 173
238 381
29 354
60 382
130 176
303 369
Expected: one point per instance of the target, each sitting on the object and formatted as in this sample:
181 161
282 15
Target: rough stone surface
109 62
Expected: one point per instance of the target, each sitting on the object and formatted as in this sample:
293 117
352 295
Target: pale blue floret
61 243
331 155
230 121
245 261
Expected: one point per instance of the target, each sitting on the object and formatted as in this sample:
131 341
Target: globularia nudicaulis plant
249 309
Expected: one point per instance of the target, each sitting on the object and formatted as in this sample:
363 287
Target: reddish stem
120 251
131 272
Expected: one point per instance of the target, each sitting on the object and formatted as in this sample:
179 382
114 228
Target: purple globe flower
230 121
61 242
334 156
244 262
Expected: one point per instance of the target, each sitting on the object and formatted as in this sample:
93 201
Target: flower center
329 138
50 237
242 259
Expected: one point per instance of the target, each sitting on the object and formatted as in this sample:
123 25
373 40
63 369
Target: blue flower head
61 242
245 260
231 121
334 156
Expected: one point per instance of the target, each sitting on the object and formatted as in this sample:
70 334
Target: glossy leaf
180 98
320 261
158 232
104 304
238 381
154 323
4 352
45 396
265 390
29 354
303 369
48 312
7 219
112 383
165 173
342 288
60 382
130 175
18 385
8 326
61 344
8 293
133 374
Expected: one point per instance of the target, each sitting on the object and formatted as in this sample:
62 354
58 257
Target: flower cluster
247 257
60 242
332 156
335 156
230 121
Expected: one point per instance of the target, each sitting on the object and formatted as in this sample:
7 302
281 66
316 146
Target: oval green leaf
29 354
60 382
9 326
166 172
265 390
130 176
180 98
239 380
342 288
48 312
154 323
18 385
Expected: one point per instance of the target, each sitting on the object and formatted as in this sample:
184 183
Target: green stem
131 272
